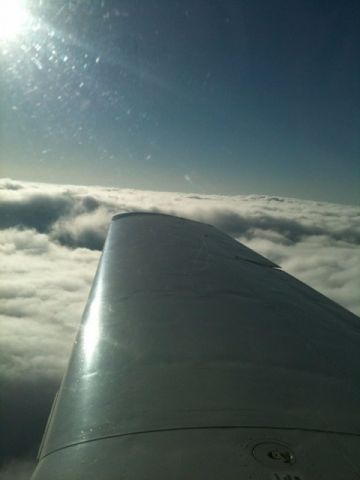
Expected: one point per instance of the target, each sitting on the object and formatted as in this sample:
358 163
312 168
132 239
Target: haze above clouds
50 242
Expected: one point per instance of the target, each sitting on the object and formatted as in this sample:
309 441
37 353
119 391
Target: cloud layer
50 242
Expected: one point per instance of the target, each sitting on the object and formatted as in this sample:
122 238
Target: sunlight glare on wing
91 332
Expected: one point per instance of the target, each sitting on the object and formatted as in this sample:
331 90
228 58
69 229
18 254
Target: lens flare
14 17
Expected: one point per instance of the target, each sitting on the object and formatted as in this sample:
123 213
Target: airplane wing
197 358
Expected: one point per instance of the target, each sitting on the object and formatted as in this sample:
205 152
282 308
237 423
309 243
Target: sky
218 97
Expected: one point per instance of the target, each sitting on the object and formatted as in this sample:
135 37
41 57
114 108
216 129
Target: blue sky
230 97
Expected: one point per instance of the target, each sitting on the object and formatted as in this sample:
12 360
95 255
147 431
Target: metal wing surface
197 358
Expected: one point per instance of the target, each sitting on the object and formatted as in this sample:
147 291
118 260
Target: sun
14 17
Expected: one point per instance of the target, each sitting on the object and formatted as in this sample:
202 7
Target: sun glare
13 18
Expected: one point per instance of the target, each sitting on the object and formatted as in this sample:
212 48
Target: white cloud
52 235
42 299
